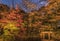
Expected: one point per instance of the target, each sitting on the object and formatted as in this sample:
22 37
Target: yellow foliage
10 26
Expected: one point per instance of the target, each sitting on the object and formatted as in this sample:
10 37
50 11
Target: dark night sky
39 4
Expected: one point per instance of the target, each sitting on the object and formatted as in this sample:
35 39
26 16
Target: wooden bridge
47 36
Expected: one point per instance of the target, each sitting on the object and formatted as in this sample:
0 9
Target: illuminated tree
10 30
